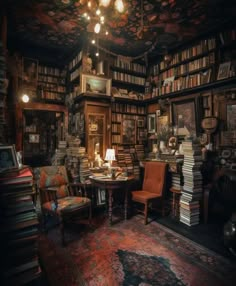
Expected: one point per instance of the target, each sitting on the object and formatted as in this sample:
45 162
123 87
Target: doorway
42 130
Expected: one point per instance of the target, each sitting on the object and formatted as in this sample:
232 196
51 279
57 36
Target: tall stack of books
192 188
2 94
59 157
19 228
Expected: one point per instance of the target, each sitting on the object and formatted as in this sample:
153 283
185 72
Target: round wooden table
110 185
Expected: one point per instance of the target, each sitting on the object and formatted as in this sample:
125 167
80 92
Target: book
14 172
24 177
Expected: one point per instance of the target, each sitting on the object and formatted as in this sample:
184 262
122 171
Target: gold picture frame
95 84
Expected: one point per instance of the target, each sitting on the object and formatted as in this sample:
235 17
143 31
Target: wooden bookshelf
51 83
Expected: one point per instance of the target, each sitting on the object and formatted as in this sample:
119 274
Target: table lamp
110 156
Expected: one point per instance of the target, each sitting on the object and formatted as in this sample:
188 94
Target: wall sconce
25 98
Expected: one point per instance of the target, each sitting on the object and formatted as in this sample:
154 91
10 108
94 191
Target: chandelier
96 14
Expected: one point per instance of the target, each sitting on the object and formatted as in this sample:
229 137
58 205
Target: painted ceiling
160 25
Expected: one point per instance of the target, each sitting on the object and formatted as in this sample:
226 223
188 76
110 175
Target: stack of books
3 92
19 228
192 188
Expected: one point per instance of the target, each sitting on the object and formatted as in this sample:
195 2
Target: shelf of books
188 68
19 228
51 83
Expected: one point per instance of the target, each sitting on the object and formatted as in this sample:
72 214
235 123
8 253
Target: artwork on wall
224 70
8 159
151 123
95 84
184 117
30 71
128 131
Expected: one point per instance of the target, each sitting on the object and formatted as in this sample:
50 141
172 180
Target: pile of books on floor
192 188
60 154
18 228
3 92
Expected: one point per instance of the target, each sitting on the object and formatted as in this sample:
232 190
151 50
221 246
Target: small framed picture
128 131
101 197
224 70
8 159
158 112
33 138
151 123
140 123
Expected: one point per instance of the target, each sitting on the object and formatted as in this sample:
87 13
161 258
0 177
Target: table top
105 180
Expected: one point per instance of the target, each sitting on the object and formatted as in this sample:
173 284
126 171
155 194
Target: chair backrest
155 177
53 177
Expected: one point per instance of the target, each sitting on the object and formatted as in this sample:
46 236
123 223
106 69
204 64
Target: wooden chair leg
145 213
62 230
90 214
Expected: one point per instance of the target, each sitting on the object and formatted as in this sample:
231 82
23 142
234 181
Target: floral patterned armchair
57 196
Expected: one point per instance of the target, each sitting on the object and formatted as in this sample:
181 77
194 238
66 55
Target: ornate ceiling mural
146 25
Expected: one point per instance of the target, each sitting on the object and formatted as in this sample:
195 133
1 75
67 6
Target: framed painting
95 84
184 117
224 70
101 196
8 159
151 123
30 71
128 131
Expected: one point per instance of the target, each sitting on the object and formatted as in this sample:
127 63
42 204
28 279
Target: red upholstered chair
57 198
153 187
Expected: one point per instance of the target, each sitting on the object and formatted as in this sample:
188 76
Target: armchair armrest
49 194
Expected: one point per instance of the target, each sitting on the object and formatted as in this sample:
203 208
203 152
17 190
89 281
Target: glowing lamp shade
25 98
110 156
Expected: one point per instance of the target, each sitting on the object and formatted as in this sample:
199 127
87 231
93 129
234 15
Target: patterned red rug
130 253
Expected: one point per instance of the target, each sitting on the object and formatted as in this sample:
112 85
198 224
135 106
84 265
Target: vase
162 146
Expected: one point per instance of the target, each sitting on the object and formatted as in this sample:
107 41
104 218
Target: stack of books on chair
192 188
18 228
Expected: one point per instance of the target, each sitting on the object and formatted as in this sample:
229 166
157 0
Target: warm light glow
102 18
89 4
98 12
97 54
104 3
25 98
119 6
93 42
110 155
97 28
106 33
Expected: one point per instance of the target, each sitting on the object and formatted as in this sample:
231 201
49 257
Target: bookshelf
130 111
128 77
51 84
189 68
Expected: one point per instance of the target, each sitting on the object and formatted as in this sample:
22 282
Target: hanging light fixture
95 13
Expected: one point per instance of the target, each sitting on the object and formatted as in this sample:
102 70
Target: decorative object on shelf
8 159
151 123
95 84
185 117
172 143
224 70
128 131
